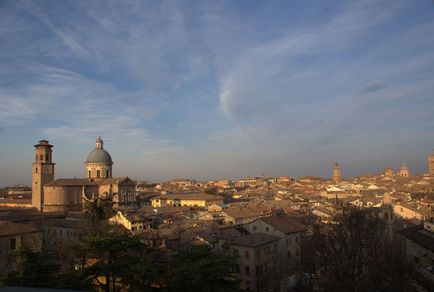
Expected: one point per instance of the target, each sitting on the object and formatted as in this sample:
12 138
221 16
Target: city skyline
217 90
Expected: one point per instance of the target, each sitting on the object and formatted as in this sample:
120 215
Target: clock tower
42 172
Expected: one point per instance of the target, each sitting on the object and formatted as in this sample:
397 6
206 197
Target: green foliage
97 213
32 269
198 269
104 260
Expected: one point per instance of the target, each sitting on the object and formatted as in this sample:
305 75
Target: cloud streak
220 89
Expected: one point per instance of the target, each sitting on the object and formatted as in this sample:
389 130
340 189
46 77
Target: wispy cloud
372 86
215 88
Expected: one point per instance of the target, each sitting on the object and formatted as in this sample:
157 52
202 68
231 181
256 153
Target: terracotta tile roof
191 196
254 240
285 224
229 232
9 228
417 209
246 212
63 182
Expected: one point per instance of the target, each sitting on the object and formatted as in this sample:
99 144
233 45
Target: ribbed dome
99 155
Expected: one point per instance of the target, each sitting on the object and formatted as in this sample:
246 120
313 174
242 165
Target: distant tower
388 172
404 171
42 172
431 164
336 173
99 162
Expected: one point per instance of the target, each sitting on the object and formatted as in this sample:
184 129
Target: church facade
70 194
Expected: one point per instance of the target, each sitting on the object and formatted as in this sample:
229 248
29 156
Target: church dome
99 155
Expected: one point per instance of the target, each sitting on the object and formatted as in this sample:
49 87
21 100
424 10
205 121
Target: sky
217 89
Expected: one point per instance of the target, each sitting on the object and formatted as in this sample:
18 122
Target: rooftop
284 224
254 240
10 228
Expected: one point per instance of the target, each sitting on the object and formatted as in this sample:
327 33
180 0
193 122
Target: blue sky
217 89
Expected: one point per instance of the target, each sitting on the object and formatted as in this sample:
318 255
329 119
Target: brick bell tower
42 172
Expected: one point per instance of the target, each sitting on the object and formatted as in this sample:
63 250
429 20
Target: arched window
36 170
107 173
98 173
90 173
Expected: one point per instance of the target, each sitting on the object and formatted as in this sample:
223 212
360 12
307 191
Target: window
90 173
98 173
259 270
36 170
41 157
266 229
247 270
46 157
247 254
13 243
107 173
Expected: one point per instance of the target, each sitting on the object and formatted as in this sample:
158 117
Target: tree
198 269
110 258
97 213
355 254
32 269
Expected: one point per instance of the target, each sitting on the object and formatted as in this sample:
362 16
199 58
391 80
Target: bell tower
431 164
336 173
42 172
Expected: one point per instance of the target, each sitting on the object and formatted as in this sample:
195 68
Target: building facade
257 261
70 194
